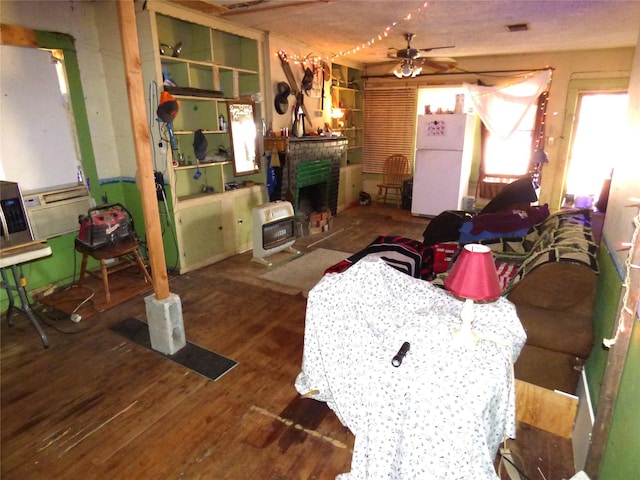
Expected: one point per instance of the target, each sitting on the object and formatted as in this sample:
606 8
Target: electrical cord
154 121
51 315
504 458
152 107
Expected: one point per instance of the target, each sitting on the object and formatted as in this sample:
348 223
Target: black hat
307 80
200 145
281 101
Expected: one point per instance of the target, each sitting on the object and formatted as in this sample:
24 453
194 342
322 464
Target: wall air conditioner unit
56 212
273 231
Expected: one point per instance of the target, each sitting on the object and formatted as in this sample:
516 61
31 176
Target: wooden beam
202 6
17 36
545 409
242 10
142 140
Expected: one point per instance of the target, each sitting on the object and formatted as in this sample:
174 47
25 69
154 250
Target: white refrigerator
444 151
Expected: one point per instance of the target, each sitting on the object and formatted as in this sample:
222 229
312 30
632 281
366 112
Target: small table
445 409
119 251
10 258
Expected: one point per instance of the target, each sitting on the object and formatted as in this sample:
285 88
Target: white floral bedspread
443 413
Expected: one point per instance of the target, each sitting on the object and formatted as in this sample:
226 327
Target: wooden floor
95 405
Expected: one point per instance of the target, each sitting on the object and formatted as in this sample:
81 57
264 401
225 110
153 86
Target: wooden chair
394 172
120 252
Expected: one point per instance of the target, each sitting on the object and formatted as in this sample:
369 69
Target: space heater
273 231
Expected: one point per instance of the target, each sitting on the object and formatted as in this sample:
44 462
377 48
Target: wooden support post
141 139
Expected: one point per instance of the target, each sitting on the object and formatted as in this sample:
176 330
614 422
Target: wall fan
412 61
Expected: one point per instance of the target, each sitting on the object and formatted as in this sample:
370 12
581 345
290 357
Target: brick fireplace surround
314 149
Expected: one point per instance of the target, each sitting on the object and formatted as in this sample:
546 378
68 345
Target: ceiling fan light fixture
407 69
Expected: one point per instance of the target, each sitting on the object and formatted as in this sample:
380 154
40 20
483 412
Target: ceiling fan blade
435 48
437 65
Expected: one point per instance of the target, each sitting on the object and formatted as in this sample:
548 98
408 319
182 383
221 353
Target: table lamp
474 278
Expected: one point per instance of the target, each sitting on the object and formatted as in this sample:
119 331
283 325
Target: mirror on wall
244 141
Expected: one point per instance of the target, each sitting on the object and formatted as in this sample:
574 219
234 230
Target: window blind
389 125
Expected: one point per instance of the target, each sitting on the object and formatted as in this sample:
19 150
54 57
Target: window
390 125
505 160
510 156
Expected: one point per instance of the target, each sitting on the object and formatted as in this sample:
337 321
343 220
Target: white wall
94 27
39 151
276 74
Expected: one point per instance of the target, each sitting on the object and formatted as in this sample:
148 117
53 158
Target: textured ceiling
474 27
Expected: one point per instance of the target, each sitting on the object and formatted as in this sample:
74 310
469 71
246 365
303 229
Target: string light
317 60
540 157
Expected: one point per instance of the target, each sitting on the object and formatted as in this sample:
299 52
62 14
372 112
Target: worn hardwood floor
95 405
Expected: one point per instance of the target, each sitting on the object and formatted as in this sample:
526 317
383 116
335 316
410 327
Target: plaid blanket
404 254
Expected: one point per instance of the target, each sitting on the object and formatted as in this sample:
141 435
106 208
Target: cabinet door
350 186
355 186
342 189
243 217
201 234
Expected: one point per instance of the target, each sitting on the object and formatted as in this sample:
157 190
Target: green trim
621 459
608 291
66 43
51 40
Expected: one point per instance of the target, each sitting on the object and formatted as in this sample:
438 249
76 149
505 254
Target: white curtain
502 108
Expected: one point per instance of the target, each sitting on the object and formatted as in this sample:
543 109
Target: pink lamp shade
474 274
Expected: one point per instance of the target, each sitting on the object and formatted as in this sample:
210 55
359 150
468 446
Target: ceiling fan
412 61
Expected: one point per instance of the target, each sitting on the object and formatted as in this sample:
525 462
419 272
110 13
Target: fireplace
313 180
312 166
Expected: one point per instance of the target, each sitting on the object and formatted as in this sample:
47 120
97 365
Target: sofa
547 267
550 276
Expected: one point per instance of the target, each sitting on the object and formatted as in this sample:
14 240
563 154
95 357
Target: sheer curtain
513 121
502 108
